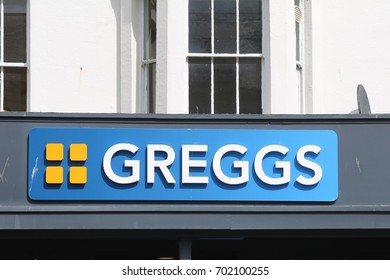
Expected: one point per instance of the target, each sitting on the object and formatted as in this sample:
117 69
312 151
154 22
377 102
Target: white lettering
133 164
243 166
190 159
310 165
187 163
152 163
283 165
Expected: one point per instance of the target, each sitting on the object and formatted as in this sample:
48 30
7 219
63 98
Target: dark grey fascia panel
364 178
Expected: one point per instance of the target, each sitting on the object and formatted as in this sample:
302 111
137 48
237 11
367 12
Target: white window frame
4 64
306 57
298 4
280 95
236 55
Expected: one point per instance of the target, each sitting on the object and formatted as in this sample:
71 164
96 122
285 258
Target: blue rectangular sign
134 164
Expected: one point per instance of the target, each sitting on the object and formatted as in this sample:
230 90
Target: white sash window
13 55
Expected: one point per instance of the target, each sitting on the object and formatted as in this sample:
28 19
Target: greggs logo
55 155
133 164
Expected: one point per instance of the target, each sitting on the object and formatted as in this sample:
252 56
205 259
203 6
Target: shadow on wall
125 11
362 101
122 17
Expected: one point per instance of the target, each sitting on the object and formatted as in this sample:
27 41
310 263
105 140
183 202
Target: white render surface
86 55
73 55
351 46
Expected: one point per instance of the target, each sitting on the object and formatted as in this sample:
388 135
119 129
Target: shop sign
162 164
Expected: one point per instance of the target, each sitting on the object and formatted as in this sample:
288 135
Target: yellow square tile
78 175
78 152
54 175
54 152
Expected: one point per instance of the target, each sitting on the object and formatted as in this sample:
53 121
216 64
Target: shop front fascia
45 183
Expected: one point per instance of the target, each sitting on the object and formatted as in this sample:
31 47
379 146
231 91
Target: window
214 56
149 54
225 53
13 55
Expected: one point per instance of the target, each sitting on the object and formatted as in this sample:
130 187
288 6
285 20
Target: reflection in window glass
15 89
200 85
13 55
250 26
151 87
150 29
200 26
225 85
250 86
14 31
225 26
150 34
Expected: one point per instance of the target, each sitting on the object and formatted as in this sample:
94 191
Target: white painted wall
280 87
73 55
85 56
172 50
129 56
351 46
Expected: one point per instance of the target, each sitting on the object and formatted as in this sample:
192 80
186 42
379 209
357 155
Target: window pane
15 30
151 87
150 19
250 26
200 85
225 27
150 29
250 86
200 26
225 85
15 88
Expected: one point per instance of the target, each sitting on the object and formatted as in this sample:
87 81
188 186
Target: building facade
98 68
286 57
